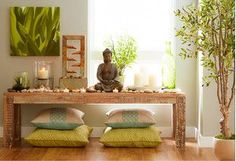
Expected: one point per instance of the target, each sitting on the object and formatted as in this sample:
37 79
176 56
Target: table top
84 98
166 94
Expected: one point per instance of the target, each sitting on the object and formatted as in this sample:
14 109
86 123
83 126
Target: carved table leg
174 120
17 122
11 122
180 120
8 121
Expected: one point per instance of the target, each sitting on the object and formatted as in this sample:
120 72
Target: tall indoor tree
209 29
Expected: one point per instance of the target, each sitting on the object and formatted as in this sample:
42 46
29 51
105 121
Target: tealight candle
43 73
66 90
115 90
83 90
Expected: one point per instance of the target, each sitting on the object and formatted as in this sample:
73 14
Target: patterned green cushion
131 137
53 138
59 118
127 118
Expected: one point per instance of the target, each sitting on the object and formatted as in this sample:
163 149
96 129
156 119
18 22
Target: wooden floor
95 151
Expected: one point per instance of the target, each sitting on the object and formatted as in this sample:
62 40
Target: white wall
74 21
211 112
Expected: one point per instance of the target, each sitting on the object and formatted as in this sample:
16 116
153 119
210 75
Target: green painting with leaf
35 31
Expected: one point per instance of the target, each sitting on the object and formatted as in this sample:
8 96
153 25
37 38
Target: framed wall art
35 31
73 56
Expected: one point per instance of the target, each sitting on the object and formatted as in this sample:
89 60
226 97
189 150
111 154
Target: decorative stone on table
75 90
124 90
91 90
148 91
82 90
177 90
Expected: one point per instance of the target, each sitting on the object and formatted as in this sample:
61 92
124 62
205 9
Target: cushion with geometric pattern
127 118
59 118
63 138
131 137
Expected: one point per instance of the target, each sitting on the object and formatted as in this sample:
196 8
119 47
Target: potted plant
21 82
209 30
124 51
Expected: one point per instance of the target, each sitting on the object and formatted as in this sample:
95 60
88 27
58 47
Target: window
148 21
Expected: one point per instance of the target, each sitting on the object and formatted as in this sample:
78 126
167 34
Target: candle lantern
43 74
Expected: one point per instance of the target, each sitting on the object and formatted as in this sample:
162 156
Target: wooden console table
12 108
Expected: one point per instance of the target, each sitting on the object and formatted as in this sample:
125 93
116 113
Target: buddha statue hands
107 74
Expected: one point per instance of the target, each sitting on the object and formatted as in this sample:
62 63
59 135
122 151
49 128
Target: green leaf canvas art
35 31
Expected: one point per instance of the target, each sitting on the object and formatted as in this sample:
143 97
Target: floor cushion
128 118
131 137
59 118
53 138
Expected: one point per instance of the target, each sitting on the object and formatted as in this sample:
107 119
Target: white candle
152 81
115 90
43 73
83 90
144 71
138 82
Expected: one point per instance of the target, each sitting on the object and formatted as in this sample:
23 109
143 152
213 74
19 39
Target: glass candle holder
42 70
43 74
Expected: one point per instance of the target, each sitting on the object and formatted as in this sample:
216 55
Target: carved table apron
12 108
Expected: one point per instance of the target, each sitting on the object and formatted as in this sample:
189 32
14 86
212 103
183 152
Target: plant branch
232 88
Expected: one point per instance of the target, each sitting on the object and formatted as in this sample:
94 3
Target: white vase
224 149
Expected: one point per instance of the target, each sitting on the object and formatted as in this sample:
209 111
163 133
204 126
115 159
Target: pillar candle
152 81
144 70
138 80
43 73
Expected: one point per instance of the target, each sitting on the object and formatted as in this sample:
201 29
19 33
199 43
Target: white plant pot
224 149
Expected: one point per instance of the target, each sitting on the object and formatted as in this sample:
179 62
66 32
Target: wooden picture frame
73 58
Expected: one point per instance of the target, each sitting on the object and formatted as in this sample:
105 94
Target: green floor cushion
131 137
128 118
53 138
59 118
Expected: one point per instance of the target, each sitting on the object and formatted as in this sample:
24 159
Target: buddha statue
107 74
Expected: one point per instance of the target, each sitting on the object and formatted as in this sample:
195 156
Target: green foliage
209 30
21 82
220 136
35 31
18 85
124 52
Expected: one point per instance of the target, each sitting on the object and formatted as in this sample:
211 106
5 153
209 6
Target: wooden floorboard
95 151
